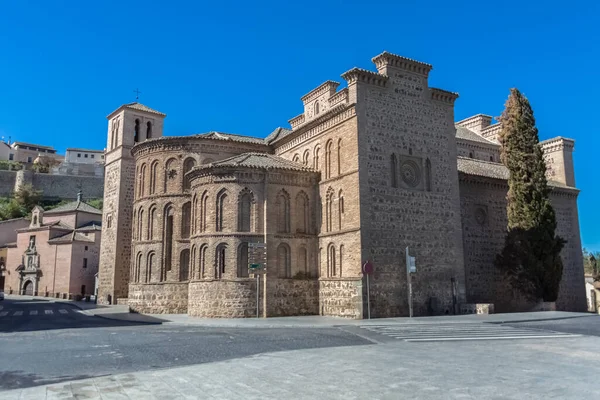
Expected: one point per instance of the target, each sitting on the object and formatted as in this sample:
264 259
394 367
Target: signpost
411 268
257 263
367 269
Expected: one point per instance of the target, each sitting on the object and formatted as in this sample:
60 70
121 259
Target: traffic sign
367 268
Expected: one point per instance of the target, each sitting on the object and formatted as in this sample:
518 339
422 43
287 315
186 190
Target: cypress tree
531 254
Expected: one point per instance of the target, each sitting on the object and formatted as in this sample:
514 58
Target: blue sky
242 67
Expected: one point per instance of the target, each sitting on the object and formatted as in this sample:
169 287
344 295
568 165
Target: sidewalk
463 370
121 313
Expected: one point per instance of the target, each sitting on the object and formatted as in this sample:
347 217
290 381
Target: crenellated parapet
386 60
443 96
356 75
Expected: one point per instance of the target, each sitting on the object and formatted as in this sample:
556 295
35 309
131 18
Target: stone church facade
363 173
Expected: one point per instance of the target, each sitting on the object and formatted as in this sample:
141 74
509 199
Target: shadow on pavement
20 379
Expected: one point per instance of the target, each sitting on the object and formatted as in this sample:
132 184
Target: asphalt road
52 346
589 326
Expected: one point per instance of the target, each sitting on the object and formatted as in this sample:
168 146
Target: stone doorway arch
28 288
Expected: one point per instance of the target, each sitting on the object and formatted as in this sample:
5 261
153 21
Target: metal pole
410 295
257 295
368 299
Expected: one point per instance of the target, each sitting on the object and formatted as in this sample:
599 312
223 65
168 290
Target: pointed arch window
151 222
340 209
394 170
428 175
221 206
148 130
283 212
187 167
202 212
220 260
303 261
136 131
245 205
184 265
339 156
316 109
186 220
138 266
242 271
193 263
140 228
329 210
331 267
302 213
142 181
202 261
283 261
339 269
328 151
316 164
305 157
149 267
168 240
153 177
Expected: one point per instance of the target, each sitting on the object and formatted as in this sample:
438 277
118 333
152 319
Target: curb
125 320
538 320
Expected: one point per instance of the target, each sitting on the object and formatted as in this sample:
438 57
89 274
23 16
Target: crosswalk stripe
3 313
456 331
33 312
18 313
48 312
63 311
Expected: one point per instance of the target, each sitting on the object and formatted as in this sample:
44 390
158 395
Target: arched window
394 170
151 222
245 203
243 260
339 269
202 262
339 156
303 261
113 136
316 108
328 148
220 261
428 175
136 270
184 265
283 261
301 213
142 181
316 158
305 157
329 210
193 263
134 226
340 208
168 239
153 177
187 167
186 220
148 130
202 212
492 158
136 131
170 175
470 154
140 229
283 212
296 158
194 215
331 271
149 267
221 205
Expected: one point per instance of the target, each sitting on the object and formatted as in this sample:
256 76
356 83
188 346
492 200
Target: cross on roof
137 93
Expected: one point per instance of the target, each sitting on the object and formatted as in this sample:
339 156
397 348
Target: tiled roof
75 206
141 107
232 137
258 160
493 170
71 237
90 226
277 134
467 134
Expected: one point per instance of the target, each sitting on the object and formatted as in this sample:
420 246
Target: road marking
3 313
33 312
18 313
48 312
458 331
63 311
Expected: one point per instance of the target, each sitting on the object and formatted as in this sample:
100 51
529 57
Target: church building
360 175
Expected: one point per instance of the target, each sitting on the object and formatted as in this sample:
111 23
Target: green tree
531 255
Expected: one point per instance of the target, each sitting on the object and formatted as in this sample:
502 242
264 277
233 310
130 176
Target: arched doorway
28 288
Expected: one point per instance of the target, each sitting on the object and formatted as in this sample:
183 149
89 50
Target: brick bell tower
128 125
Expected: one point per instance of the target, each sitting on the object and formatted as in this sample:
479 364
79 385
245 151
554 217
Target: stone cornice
443 95
478 145
338 177
194 144
502 184
328 86
329 119
474 118
336 233
165 197
557 143
365 76
234 235
297 121
339 97
388 59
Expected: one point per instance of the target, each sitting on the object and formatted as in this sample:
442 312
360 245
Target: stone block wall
7 182
342 297
227 298
159 298
292 297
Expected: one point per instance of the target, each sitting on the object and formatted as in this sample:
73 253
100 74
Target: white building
84 156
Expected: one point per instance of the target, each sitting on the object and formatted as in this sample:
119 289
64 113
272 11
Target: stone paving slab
519 369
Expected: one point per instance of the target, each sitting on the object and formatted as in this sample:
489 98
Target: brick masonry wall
227 298
483 211
159 298
403 119
292 297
